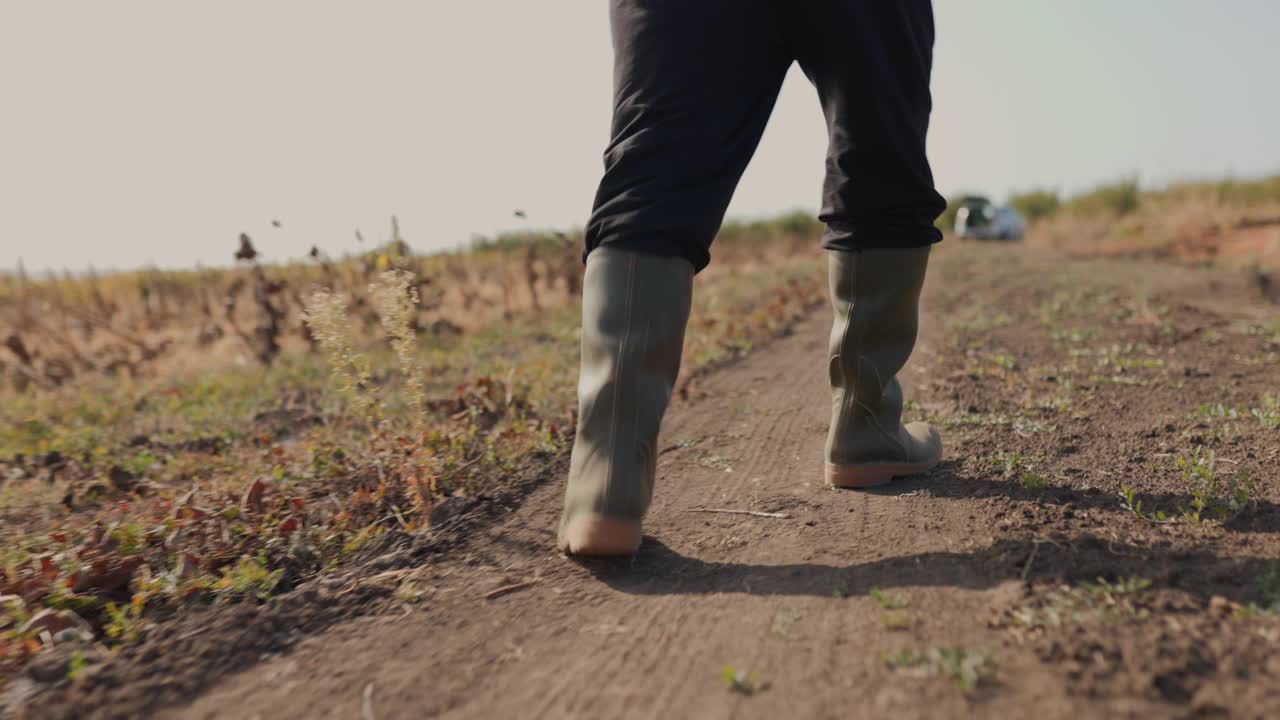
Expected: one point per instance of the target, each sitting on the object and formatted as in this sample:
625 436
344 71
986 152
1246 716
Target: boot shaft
634 311
875 296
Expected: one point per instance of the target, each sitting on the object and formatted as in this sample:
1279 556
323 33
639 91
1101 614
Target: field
213 508
177 440
1230 223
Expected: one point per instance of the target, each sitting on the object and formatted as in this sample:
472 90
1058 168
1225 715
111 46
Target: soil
1058 383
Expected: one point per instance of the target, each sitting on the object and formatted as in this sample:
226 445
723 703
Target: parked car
980 219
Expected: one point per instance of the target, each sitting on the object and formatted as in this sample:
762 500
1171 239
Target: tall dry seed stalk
395 299
326 315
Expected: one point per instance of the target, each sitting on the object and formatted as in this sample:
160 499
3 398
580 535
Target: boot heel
865 476
597 535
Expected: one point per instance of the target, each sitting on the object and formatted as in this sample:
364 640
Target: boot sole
873 475
599 536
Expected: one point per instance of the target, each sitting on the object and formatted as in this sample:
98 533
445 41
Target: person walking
694 84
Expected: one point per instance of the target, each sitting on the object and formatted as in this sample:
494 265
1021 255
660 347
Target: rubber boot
634 311
876 297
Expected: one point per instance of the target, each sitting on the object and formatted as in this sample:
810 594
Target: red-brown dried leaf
55 621
106 574
31 590
252 499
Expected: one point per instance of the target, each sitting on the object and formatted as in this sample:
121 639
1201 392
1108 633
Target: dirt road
1010 582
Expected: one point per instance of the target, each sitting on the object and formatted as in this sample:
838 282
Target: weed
1106 591
1107 599
248 578
1007 363
1210 412
902 658
1221 420
326 315
898 621
1011 464
1060 404
130 538
716 462
887 601
1008 461
742 682
1073 336
1119 380
966 668
15 613
1119 358
1269 413
140 462
1268 603
1239 495
396 300
360 538
76 665
1018 422
983 323
1211 499
123 622
1031 480
1201 471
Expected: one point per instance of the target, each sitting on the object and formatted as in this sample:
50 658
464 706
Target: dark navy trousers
695 82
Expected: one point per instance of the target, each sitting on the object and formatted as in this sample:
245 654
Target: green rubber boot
634 311
876 297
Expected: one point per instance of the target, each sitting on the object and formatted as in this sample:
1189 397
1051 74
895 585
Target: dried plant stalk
326 315
395 298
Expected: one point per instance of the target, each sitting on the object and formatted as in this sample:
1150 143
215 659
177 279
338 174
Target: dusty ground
1010 582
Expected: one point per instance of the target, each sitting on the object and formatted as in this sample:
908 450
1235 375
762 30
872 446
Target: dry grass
150 323
129 495
1228 223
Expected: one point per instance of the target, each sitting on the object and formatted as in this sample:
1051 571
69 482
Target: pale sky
139 132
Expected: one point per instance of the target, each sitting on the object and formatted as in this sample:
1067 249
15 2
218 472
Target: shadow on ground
1070 555
948 482
659 570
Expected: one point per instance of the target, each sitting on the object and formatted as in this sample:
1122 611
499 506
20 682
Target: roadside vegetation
1233 222
179 439
172 440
